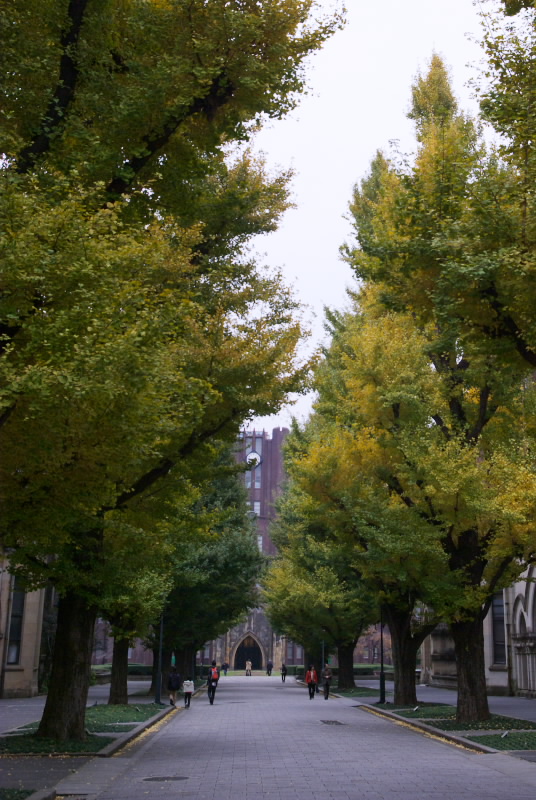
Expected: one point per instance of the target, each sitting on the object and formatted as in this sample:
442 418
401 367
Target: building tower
254 639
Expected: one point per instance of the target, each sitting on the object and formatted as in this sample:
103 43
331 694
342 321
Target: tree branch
507 328
394 484
163 469
64 92
441 425
485 413
220 92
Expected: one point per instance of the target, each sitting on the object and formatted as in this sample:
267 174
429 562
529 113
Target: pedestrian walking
225 667
283 672
311 679
188 689
248 667
173 685
326 680
212 681
269 668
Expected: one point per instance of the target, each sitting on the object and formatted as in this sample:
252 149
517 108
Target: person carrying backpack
212 681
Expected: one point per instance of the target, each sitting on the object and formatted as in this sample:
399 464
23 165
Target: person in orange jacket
311 679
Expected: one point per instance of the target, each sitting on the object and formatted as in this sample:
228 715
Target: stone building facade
520 634
509 643
21 627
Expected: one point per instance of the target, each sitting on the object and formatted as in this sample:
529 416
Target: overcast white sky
360 88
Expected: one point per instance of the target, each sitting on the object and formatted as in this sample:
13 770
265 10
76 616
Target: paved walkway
265 740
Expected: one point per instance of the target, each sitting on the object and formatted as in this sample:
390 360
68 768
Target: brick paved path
264 740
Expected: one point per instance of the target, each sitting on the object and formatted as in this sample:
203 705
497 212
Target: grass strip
398 708
99 719
359 691
91 727
428 712
514 741
135 712
29 744
15 794
496 722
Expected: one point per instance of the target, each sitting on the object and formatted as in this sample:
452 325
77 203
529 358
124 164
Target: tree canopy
313 590
135 328
424 418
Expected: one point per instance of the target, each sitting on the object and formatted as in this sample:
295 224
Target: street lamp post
158 688
382 672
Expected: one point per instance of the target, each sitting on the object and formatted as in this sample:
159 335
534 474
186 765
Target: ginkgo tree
438 523
340 466
126 385
313 590
215 573
134 328
433 240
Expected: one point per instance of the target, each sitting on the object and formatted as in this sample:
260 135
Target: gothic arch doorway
248 649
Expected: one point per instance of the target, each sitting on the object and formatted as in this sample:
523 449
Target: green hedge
360 670
294 669
133 669
140 669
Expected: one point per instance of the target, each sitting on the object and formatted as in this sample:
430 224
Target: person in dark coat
173 685
326 680
269 668
283 672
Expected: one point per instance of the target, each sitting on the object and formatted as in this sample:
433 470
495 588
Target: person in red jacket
212 681
311 679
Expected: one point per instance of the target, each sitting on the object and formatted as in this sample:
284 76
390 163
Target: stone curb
424 727
43 794
127 737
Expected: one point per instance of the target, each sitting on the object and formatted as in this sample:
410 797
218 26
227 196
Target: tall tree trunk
118 685
65 708
166 667
313 655
405 645
184 661
472 694
345 656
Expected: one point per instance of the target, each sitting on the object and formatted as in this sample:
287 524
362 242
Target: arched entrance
248 649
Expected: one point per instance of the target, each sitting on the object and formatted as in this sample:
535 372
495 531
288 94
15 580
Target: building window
257 473
259 542
257 507
497 621
15 624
